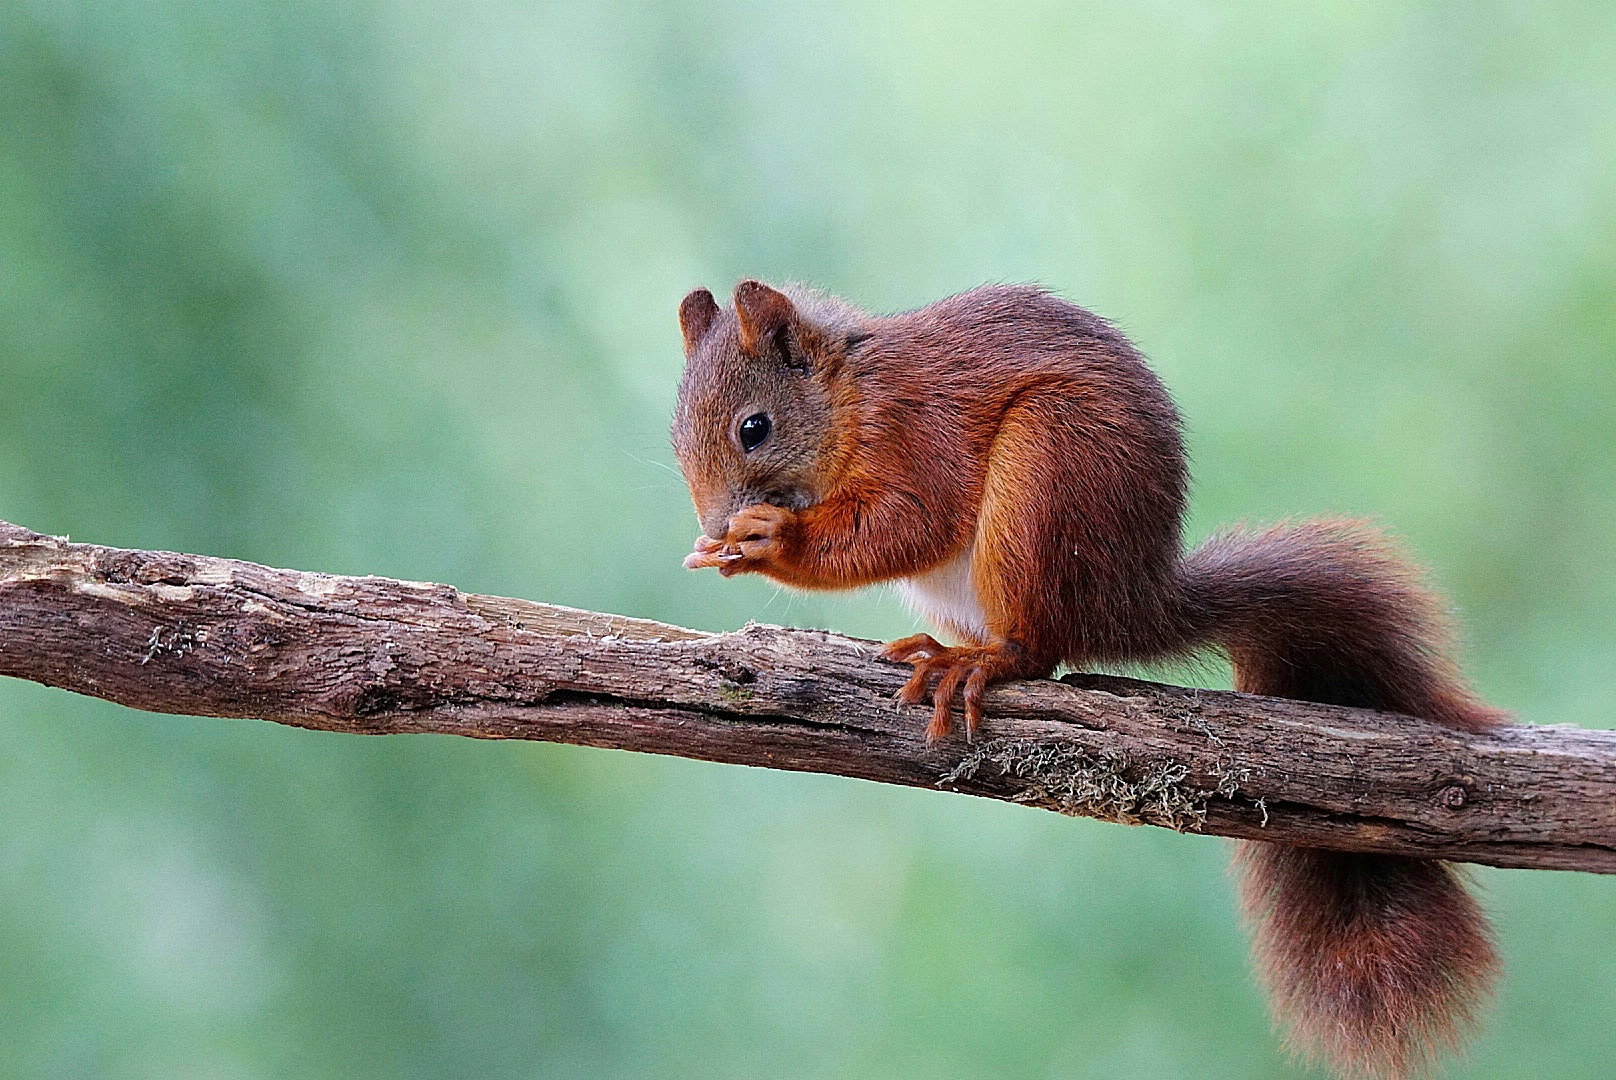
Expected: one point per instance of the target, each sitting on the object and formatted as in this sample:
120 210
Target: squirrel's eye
754 429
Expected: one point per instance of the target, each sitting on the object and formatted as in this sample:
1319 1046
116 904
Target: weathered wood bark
216 637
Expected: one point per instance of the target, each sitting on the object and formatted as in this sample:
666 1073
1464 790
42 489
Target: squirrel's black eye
754 429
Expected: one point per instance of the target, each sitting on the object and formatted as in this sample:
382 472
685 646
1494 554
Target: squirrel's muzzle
716 523
714 512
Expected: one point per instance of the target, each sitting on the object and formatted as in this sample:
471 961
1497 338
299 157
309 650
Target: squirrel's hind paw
962 671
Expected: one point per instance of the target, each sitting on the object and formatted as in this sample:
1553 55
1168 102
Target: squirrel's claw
709 552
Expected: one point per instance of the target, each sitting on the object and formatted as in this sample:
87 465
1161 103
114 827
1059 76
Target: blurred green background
390 288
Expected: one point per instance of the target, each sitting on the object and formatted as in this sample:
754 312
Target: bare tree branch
215 637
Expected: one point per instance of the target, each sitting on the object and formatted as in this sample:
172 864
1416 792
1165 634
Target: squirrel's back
992 343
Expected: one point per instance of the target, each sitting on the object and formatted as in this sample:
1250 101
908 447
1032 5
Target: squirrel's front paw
753 540
756 535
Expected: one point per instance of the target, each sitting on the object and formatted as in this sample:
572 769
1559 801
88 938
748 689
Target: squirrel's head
755 417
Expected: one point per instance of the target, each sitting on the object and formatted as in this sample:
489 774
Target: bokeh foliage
389 288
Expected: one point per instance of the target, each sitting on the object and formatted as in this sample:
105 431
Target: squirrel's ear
762 312
696 314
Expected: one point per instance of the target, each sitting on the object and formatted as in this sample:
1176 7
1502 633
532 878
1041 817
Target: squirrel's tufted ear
696 314
762 312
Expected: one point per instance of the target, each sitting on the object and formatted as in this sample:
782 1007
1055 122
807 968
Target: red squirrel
1011 463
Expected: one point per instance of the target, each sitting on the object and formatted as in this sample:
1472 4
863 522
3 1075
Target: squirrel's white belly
945 595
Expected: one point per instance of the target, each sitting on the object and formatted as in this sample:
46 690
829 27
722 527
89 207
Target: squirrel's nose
715 522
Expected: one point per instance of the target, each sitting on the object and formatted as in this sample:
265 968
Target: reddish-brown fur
1013 428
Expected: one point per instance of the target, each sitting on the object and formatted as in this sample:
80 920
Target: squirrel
1009 460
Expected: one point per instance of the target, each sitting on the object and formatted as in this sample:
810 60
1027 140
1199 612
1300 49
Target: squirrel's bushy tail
1372 961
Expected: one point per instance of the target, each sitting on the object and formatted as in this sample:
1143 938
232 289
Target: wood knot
1454 796
379 699
374 700
732 672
